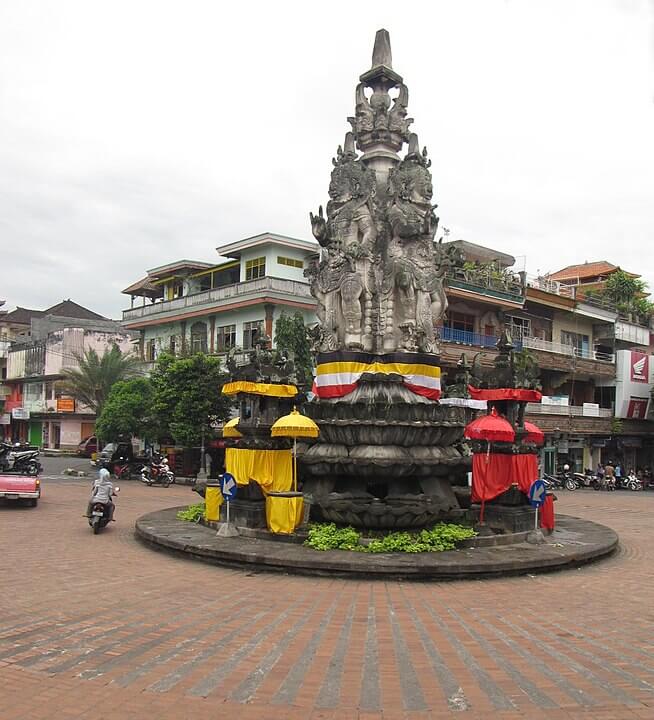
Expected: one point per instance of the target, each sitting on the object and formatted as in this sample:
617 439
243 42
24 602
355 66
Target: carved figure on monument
344 282
412 289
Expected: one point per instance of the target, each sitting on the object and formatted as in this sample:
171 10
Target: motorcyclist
103 491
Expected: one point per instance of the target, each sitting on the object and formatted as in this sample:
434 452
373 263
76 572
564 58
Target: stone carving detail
379 281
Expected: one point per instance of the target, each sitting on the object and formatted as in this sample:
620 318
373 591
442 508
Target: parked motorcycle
157 472
562 479
21 462
100 513
128 471
605 483
629 482
587 479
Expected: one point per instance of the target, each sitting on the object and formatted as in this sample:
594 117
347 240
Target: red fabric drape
493 473
521 394
547 513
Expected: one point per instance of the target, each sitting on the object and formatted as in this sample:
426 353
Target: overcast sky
134 133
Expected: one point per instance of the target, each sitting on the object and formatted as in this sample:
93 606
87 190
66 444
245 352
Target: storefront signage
20 414
639 367
632 384
561 400
637 408
591 410
65 404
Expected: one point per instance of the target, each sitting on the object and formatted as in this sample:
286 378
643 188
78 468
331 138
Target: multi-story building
190 306
47 342
576 340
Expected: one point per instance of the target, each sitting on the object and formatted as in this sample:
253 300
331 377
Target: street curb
574 543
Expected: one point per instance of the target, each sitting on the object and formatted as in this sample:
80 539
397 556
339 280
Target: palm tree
91 382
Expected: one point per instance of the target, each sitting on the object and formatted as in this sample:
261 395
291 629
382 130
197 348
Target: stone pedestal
510 519
245 513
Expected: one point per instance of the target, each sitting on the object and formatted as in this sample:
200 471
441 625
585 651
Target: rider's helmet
104 473
566 468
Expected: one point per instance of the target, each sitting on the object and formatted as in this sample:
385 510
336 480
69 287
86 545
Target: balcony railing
547 346
551 286
465 337
505 286
4 348
237 290
567 410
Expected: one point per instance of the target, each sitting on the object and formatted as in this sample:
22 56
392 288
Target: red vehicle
20 487
88 446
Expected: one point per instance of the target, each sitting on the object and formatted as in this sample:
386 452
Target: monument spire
381 53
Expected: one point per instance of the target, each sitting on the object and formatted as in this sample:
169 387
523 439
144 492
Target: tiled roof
70 309
584 270
21 316
145 286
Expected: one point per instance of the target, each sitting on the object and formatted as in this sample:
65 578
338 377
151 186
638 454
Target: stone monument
388 451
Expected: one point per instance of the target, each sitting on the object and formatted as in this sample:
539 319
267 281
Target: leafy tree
291 335
91 382
620 287
187 398
128 410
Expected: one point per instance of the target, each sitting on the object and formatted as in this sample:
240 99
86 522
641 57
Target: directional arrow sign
537 493
228 486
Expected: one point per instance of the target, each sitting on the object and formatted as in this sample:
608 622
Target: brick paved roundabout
104 627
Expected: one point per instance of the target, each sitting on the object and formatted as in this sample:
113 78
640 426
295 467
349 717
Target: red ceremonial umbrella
534 433
492 428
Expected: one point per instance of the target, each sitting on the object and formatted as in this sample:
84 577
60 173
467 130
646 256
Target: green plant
193 513
616 426
128 410
291 336
444 536
329 537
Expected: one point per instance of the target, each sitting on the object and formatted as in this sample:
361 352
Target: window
255 268
177 289
291 262
225 337
460 321
226 276
149 351
199 337
580 343
204 282
49 391
251 332
518 327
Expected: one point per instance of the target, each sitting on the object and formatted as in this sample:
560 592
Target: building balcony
567 410
465 337
262 288
551 347
625 330
504 286
4 348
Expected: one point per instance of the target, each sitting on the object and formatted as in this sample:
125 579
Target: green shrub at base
193 513
441 537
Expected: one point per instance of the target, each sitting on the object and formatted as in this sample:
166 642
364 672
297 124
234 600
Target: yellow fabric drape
272 469
284 514
269 389
213 499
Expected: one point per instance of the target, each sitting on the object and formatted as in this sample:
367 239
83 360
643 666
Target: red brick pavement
104 627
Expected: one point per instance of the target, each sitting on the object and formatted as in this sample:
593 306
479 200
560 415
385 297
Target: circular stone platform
573 543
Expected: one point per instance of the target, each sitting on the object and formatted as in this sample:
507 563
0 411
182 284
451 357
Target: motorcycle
586 479
100 513
128 470
562 479
604 483
630 482
21 462
157 473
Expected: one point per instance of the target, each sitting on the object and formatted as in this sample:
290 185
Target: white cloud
134 133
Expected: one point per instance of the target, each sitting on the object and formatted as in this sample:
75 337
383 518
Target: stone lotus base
573 543
412 511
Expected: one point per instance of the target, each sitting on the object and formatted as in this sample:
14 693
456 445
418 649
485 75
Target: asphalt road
104 627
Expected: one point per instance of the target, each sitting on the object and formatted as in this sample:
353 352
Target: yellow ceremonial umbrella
294 425
230 429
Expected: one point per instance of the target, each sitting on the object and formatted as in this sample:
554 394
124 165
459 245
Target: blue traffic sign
537 493
228 486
